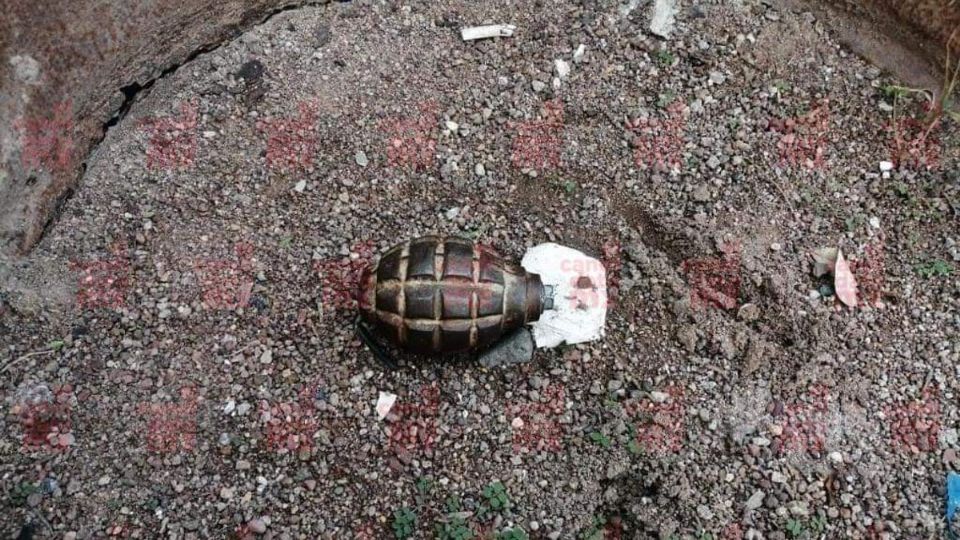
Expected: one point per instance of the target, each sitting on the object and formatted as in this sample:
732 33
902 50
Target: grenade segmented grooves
447 294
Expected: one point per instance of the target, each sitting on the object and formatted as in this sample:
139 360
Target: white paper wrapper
489 31
384 403
580 295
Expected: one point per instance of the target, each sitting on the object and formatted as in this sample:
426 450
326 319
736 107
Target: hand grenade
438 294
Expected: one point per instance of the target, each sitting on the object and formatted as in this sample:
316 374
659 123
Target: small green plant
286 242
894 92
664 58
424 485
453 504
633 445
20 492
781 86
795 528
55 345
818 524
704 535
601 439
454 529
934 268
569 186
595 531
404 523
513 534
665 99
497 497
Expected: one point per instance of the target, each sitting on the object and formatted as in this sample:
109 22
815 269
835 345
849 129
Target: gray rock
516 348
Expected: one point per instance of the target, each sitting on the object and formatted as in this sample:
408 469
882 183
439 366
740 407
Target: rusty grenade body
438 294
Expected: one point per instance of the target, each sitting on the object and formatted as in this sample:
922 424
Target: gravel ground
212 389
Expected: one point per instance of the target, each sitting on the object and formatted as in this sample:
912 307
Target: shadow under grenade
435 295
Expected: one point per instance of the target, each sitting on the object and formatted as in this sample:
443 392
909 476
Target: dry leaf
844 283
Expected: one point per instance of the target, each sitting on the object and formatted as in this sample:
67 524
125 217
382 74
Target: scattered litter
489 31
662 18
886 166
953 502
385 403
580 295
845 284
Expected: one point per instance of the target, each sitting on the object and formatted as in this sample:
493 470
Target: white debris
662 18
578 54
627 9
886 166
301 185
26 69
385 403
580 295
563 68
489 31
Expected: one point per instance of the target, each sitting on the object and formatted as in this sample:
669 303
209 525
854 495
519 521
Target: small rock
257 526
716 78
452 213
361 158
701 193
886 166
301 185
562 67
267 356
538 86
663 17
755 500
748 312
452 126
659 397
515 349
480 170
104 480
